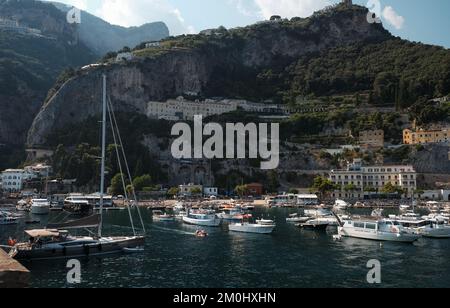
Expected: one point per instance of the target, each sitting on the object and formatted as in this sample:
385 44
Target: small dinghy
201 233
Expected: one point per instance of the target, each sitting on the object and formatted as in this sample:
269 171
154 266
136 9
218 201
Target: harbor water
290 258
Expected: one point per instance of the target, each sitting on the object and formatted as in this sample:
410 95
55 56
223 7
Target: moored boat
246 227
202 219
40 207
376 230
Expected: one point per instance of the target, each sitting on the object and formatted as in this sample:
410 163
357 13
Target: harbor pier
12 273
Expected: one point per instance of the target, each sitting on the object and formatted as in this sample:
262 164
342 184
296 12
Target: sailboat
56 242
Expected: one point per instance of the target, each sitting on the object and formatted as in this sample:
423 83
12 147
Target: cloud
393 18
289 8
129 13
138 12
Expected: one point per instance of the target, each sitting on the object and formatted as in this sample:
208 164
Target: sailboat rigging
56 242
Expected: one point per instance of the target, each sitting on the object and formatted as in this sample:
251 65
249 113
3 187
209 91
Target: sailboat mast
102 172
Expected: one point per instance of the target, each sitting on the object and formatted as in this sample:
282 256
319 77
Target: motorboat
319 212
232 214
6 219
341 205
265 222
377 230
77 204
295 218
315 224
206 219
40 207
432 228
377 213
246 227
162 217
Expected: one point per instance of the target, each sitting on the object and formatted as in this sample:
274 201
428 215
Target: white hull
252 228
213 222
40 210
378 235
442 232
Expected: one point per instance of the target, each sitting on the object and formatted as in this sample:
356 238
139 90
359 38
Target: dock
12 273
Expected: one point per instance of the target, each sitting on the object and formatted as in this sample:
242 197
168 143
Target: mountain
355 73
102 37
34 49
227 63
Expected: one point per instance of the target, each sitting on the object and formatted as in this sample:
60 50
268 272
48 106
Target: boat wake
173 230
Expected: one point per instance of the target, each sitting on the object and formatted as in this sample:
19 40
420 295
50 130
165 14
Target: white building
39 170
13 179
373 178
210 191
124 56
435 195
152 45
182 109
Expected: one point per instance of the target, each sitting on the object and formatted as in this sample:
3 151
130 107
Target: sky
415 20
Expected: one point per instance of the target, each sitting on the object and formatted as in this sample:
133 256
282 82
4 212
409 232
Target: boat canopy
42 233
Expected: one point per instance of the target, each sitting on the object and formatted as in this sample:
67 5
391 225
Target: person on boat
11 242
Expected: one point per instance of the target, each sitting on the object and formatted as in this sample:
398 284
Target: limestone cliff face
204 70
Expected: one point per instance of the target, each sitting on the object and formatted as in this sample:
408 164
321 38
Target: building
371 138
182 109
435 195
39 170
155 44
211 191
423 136
37 154
13 179
255 189
365 179
190 189
124 56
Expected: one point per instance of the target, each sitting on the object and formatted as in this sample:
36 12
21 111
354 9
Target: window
371 226
359 225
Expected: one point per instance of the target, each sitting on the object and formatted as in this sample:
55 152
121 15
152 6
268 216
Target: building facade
372 138
422 136
182 109
13 179
189 189
366 179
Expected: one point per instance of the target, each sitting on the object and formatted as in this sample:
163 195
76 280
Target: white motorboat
40 207
377 213
384 230
433 228
202 219
318 212
340 204
162 217
295 218
265 222
7 219
235 213
246 227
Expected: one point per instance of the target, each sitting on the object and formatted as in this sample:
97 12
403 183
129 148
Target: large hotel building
369 178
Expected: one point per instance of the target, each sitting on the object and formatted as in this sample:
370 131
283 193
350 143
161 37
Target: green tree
323 185
196 191
241 190
142 182
174 191
116 187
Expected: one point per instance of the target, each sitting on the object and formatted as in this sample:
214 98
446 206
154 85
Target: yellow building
422 136
372 138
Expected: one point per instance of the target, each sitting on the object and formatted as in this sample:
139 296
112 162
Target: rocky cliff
102 37
225 63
